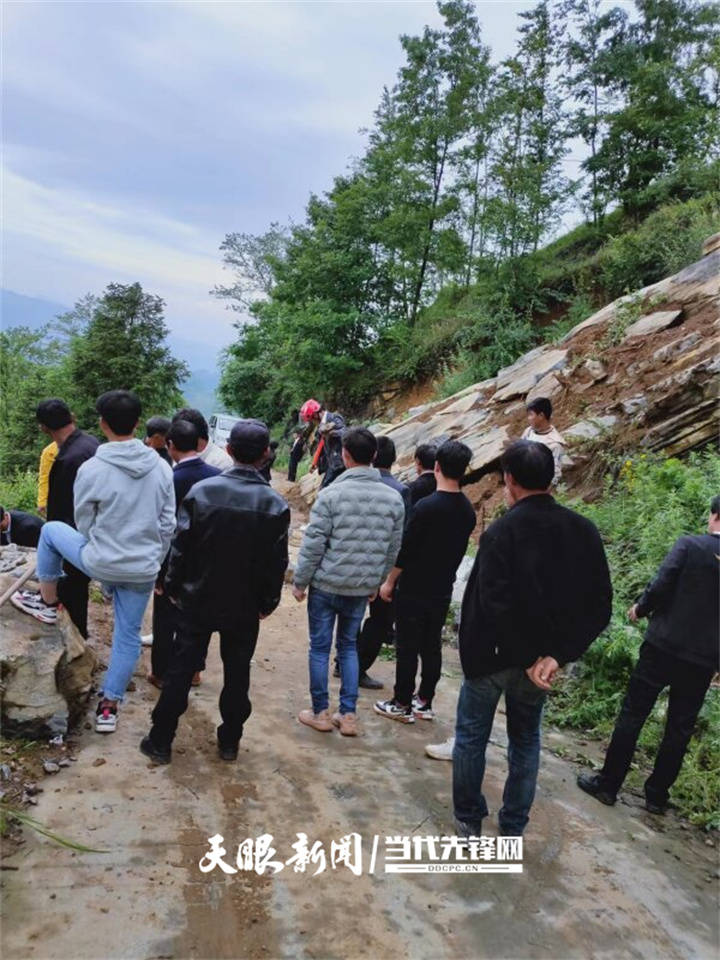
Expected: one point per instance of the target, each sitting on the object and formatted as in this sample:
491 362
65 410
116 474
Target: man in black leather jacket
226 571
680 652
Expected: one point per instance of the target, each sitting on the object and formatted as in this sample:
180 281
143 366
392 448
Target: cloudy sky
137 134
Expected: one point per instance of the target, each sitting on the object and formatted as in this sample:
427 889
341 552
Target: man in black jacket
19 527
182 443
424 484
226 571
680 652
538 595
156 431
74 448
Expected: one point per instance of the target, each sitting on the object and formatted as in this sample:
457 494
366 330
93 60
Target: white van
219 427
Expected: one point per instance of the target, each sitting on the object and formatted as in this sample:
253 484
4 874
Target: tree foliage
115 341
464 177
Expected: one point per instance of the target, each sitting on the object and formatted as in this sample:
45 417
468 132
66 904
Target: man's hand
299 594
542 672
386 591
633 614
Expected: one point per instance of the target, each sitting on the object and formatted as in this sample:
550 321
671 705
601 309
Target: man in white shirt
209 452
540 430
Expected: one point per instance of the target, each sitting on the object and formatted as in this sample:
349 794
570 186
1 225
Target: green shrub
648 505
668 240
19 492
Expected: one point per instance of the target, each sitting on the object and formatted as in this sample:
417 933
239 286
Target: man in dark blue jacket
538 595
680 652
182 442
19 527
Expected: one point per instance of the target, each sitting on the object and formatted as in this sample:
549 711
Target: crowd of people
203 530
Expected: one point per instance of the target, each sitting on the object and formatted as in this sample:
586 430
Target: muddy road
598 882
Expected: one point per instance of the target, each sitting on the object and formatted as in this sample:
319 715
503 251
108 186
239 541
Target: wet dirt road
597 882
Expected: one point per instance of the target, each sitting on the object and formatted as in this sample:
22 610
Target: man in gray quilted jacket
350 545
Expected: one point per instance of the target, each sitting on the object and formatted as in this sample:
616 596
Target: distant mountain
199 391
17 310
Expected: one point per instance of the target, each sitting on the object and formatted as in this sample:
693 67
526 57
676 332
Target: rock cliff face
642 373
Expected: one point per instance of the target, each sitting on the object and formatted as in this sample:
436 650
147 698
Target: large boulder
46 672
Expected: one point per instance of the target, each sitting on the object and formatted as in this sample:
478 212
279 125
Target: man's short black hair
155 425
184 435
194 416
385 456
360 444
715 506
541 405
453 458
53 414
120 409
425 455
530 464
249 440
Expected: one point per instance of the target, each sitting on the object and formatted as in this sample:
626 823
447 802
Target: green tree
253 261
529 188
660 70
124 347
585 54
33 366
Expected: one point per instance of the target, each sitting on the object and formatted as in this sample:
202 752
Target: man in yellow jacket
47 458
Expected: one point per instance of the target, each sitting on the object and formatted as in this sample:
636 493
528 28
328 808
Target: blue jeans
58 542
323 610
475 712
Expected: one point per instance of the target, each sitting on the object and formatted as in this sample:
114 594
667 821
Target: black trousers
688 685
296 454
73 593
376 630
237 645
164 627
419 622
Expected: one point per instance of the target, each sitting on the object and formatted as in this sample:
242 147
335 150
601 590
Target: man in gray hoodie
119 495
349 547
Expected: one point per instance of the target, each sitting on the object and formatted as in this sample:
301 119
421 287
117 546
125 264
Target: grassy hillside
466 336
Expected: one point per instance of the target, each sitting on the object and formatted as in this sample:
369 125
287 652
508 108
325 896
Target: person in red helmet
330 428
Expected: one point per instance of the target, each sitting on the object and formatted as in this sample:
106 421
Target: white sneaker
146 639
34 606
105 719
422 710
441 751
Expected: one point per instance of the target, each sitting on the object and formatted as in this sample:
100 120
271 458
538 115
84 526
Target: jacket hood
130 456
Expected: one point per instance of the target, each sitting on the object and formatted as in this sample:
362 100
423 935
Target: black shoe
155 753
593 784
368 682
657 808
467 830
227 753
336 671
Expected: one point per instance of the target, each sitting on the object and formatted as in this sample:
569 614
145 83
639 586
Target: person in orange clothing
47 458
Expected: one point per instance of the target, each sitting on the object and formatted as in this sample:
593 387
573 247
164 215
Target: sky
137 134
